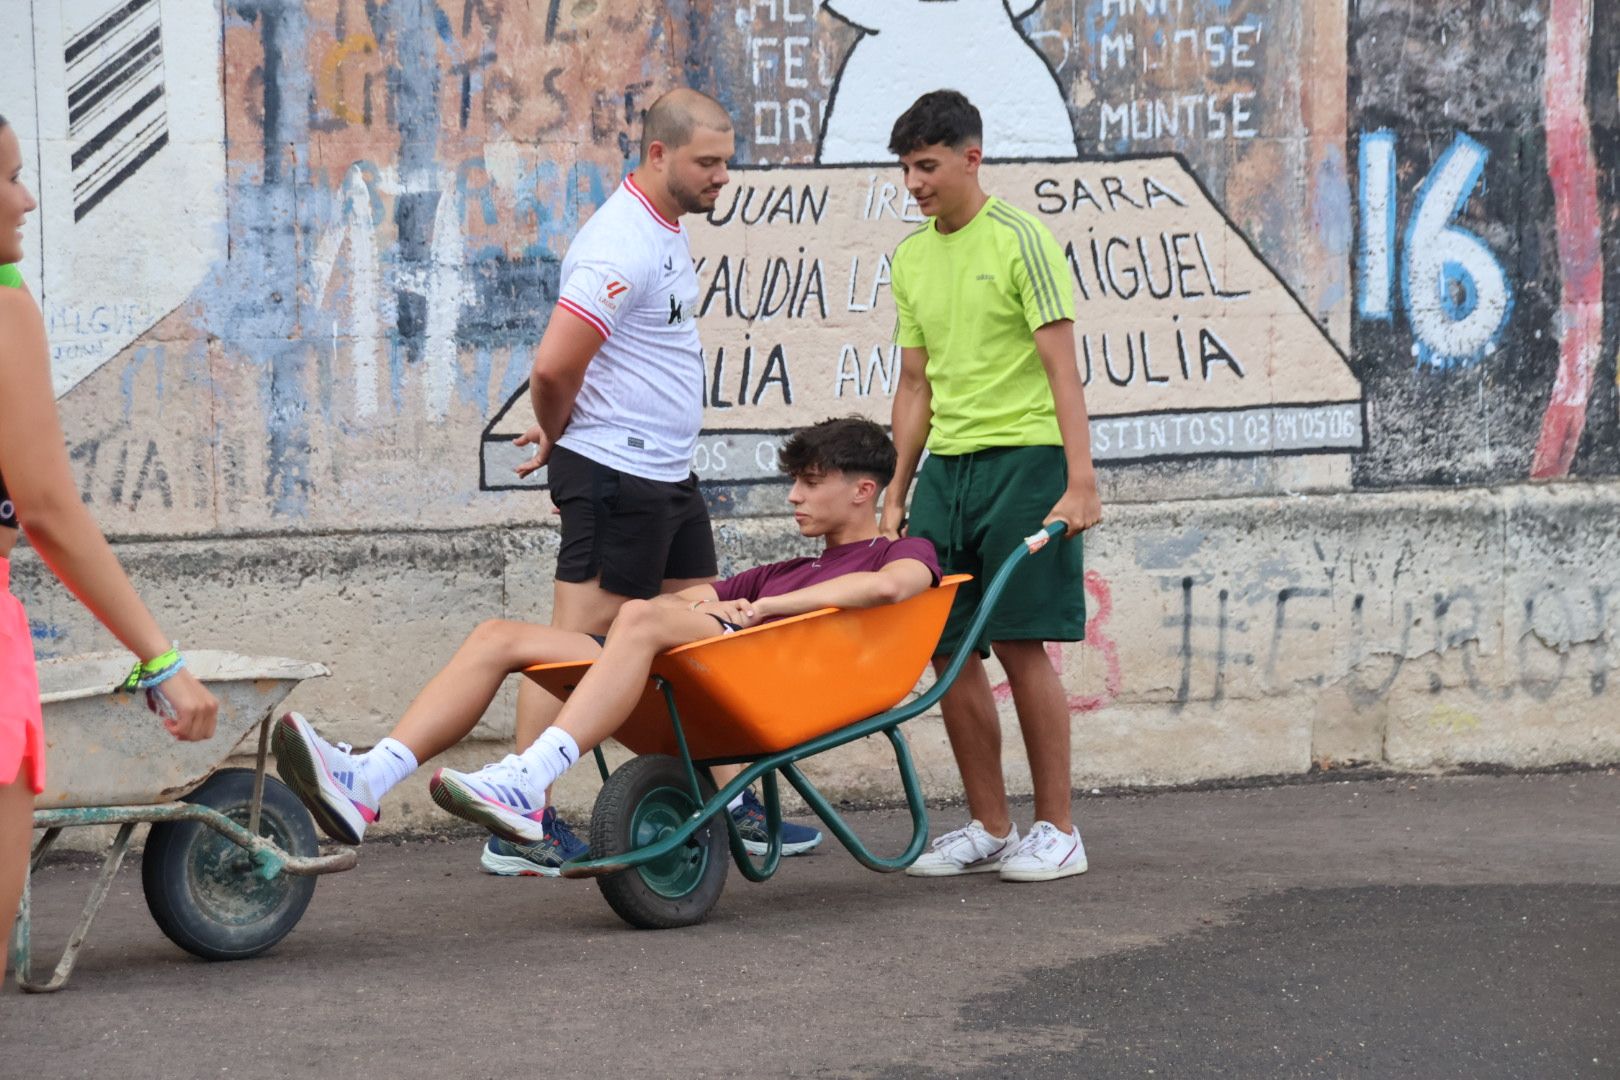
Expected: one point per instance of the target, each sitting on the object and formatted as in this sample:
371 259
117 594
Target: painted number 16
1456 296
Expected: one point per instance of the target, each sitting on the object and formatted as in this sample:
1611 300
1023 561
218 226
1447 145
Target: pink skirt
22 735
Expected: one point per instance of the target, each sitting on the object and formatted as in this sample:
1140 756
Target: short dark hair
847 444
4 123
943 117
675 115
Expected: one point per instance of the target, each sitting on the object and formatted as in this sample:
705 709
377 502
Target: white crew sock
552 754
734 803
385 765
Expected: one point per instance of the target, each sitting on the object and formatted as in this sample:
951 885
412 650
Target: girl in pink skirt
38 493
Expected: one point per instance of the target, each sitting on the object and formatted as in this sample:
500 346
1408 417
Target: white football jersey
629 275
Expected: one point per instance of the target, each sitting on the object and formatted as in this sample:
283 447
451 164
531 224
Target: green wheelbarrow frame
765 768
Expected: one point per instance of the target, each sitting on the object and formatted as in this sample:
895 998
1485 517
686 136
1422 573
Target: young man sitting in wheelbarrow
838 468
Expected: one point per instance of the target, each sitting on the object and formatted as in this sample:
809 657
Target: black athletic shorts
632 533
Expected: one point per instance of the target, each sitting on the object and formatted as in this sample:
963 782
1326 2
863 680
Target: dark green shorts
976 509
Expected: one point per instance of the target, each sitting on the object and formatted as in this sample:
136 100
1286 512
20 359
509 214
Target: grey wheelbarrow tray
112 762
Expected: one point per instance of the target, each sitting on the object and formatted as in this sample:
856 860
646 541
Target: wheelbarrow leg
20 931
21 943
257 805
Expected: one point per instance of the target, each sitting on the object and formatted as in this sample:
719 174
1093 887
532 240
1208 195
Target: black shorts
631 533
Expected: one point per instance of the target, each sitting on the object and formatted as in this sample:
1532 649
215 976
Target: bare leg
455 699
16 830
974 729
584 607
610 690
589 609
1043 716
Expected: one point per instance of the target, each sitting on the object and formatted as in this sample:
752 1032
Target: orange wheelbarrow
767 698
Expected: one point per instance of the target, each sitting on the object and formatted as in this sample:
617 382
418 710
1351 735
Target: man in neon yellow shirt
989 384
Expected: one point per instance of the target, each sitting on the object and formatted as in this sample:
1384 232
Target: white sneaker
1045 854
326 778
968 850
502 797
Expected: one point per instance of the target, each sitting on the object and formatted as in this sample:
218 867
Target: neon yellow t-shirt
974 298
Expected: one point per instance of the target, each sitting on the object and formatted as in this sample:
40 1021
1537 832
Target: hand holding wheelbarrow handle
1050 531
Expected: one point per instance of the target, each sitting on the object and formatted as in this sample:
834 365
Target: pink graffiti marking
1573 172
1097 639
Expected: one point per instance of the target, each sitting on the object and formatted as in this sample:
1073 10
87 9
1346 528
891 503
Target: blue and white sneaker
506 859
502 797
750 819
326 778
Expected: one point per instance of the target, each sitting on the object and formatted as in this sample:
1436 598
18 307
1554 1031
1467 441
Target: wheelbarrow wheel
644 800
205 892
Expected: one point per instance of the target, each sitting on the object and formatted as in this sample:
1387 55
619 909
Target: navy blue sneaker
544 857
750 819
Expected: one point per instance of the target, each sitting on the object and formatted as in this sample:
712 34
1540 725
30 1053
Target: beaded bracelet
160 669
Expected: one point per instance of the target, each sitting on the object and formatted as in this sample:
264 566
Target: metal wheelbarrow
229 863
766 698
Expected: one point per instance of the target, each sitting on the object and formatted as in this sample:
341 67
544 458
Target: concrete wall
1345 275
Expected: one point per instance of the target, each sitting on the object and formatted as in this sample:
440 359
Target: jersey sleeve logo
612 295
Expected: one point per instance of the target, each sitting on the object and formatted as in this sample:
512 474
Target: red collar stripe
641 197
595 324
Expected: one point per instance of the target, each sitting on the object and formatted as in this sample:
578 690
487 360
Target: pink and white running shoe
326 778
502 797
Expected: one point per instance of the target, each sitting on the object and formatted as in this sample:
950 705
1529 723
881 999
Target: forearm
912 414
71 544
859 590
560 362
910 419
1055 343
1075 428
553 401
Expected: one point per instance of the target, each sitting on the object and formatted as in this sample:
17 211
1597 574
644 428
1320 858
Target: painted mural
295 254
1488 207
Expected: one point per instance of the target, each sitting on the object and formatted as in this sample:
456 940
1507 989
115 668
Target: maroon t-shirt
774 579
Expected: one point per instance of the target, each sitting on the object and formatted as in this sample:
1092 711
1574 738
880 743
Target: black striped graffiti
117 117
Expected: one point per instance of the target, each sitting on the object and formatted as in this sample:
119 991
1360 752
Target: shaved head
674 117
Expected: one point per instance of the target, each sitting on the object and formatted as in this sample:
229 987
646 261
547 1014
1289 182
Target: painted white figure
974 46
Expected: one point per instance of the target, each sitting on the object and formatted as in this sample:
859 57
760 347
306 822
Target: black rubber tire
659 781
203 890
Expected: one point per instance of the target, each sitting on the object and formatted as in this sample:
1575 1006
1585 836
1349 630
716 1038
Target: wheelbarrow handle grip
1037 540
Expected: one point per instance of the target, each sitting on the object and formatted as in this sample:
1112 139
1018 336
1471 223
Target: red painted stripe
1573 171
641 196
595 323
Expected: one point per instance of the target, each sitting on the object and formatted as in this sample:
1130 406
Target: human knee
491 639
1016 657
636 619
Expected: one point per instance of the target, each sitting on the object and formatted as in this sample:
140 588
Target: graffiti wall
295 256
333 228
1487 202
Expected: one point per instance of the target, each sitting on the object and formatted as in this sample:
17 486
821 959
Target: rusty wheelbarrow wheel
645 800
205 892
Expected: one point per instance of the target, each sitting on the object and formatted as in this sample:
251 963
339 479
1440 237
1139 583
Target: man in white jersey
617 387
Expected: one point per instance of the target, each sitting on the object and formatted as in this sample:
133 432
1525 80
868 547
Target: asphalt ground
1438 927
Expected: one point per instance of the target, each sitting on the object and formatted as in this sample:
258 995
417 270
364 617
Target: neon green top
10 277
974 298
